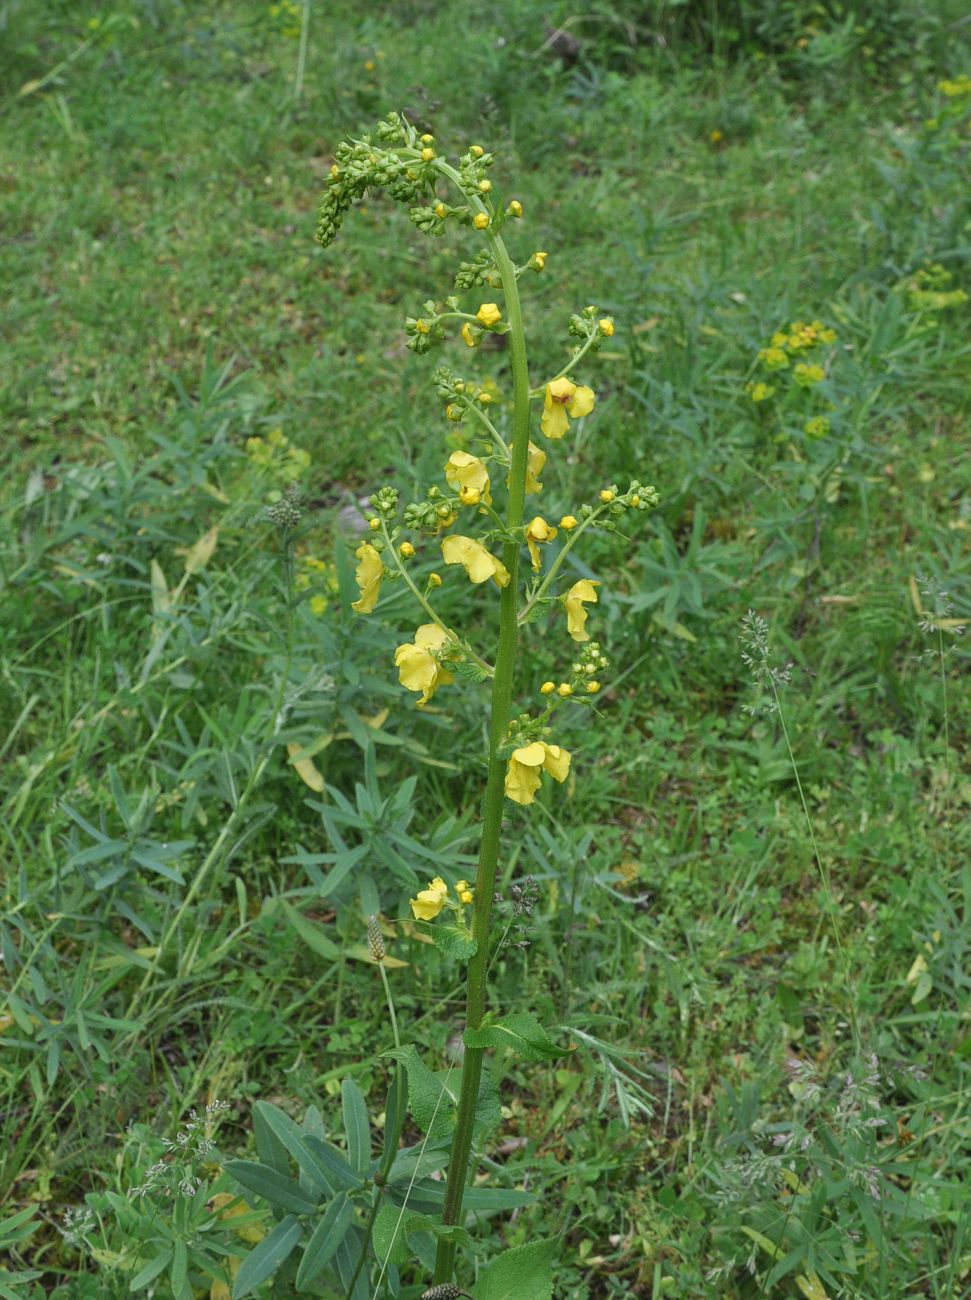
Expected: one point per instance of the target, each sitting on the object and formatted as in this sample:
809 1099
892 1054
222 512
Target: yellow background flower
418 668
563 395
368 576
576 615
479 564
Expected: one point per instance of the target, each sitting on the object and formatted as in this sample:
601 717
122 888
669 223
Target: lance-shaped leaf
522 1273
266 1258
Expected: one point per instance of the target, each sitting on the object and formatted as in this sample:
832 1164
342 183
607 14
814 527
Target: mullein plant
476 524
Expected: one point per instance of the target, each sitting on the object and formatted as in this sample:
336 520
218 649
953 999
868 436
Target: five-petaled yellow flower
479 564
538 530
563 396
368 576
525 765
430 901
576 616
488 315
469 477
418 666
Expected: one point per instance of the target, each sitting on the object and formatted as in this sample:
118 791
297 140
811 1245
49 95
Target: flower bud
434 580
537 261
567 523
515 209
593 688
407 550
374 525
481 221
485 186
547 688
427 155
476 150
441 210
606 496
606 326
564 689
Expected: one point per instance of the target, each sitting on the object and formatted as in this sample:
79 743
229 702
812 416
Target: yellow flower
418 668
318 605
564 395
805 376
468 334
581 592
477 561
368 576
593 688
774 358
547 688
568 523
441 210
430 901
606 496
538 530
481 221
779 340
525 765
535 461
606 327
760 392
469 477
564 688
515 209
464 891
715 136
488 314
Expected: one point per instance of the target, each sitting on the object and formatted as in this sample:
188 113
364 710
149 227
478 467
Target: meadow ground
753 896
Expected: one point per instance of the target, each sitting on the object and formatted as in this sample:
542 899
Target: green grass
166 301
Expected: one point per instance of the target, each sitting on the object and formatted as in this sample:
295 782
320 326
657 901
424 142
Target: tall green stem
492 802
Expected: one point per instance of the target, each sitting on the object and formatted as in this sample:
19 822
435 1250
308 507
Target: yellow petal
553 421
368 577
431 635
576 615
427 905
533 553
583 401
522 779
556 762
468 472
534 467
478 563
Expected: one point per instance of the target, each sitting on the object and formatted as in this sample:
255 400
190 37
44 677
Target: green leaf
151 1270
266 1258
298 1145
356 1126
338 1170
314 936
431 1099
520 1031
454 942
522 1273
495 1200
390 1235
395 1110
279 1190
327 1236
